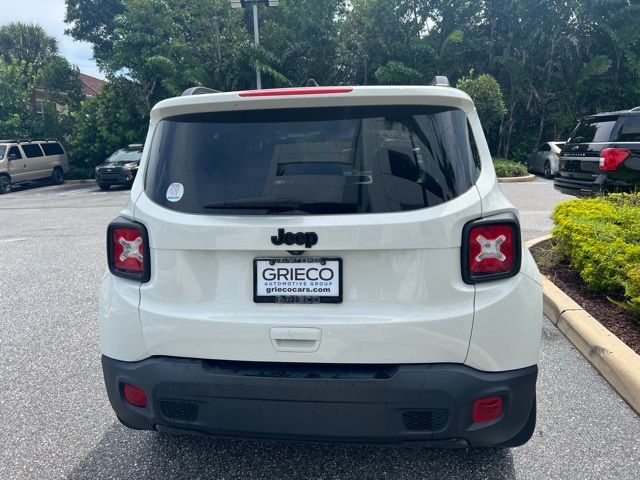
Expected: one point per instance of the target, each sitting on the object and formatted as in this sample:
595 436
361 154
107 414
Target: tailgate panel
404 300
581 162
397 308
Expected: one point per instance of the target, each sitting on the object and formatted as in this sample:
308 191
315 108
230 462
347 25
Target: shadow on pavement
124 453
67 186
35 184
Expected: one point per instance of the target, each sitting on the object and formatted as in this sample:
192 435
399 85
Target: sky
50 15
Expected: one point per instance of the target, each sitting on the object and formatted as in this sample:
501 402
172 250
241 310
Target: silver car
545 159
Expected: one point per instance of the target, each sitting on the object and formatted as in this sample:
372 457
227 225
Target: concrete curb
526 178
616 362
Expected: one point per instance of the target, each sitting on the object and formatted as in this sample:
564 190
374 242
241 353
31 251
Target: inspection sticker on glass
175 192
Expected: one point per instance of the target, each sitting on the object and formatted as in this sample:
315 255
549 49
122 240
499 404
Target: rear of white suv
333 264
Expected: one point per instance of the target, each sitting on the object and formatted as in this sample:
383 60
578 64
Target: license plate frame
300 298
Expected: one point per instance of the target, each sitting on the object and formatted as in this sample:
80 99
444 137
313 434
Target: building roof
91 86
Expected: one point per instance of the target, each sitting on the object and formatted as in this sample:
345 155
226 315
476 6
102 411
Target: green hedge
80 173
507 168
601 239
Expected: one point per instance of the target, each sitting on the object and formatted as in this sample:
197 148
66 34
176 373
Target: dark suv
120 168
602 155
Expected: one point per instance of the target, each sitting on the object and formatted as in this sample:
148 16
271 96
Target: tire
5 184
526 433
57 177
104 187
547 170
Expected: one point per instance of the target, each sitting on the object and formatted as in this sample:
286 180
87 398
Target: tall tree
32 66
106 123
554 60
21 42
301 38
93 21
16 110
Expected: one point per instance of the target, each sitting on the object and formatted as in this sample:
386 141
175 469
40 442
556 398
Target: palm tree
26 42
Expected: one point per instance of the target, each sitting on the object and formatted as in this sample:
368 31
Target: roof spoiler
440 81
198 91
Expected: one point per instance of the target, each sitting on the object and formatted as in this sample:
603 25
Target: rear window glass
32 150
311 161
630 130
52 148
3 148
593 131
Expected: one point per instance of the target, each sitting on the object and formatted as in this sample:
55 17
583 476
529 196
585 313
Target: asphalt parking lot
55 421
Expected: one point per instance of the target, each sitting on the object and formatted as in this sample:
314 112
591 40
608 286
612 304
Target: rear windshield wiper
257 203
280 204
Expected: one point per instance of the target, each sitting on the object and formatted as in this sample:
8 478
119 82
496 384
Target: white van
326 263
23 161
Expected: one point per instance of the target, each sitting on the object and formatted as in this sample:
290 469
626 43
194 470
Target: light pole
256 31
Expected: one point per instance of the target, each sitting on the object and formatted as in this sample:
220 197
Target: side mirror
13 156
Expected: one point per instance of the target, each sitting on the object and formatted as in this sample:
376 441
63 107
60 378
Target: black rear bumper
431 404
602 184
577 188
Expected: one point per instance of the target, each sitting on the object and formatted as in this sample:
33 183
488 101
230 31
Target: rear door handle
295 339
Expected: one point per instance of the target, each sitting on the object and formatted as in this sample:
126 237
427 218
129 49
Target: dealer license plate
297 280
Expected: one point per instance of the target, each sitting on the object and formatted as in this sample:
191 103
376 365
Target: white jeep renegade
334 264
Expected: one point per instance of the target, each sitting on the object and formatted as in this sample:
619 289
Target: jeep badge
308 239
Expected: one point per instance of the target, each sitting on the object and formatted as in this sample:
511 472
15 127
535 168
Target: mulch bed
621 322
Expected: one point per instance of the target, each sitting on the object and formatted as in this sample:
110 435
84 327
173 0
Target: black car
120 168
602 155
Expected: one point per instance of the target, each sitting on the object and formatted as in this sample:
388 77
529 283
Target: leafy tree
31 65
16 110
61 89
376 32
167 45
93 21
397 73
106 123
61 81
553 60
485 92
20 42
300 41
